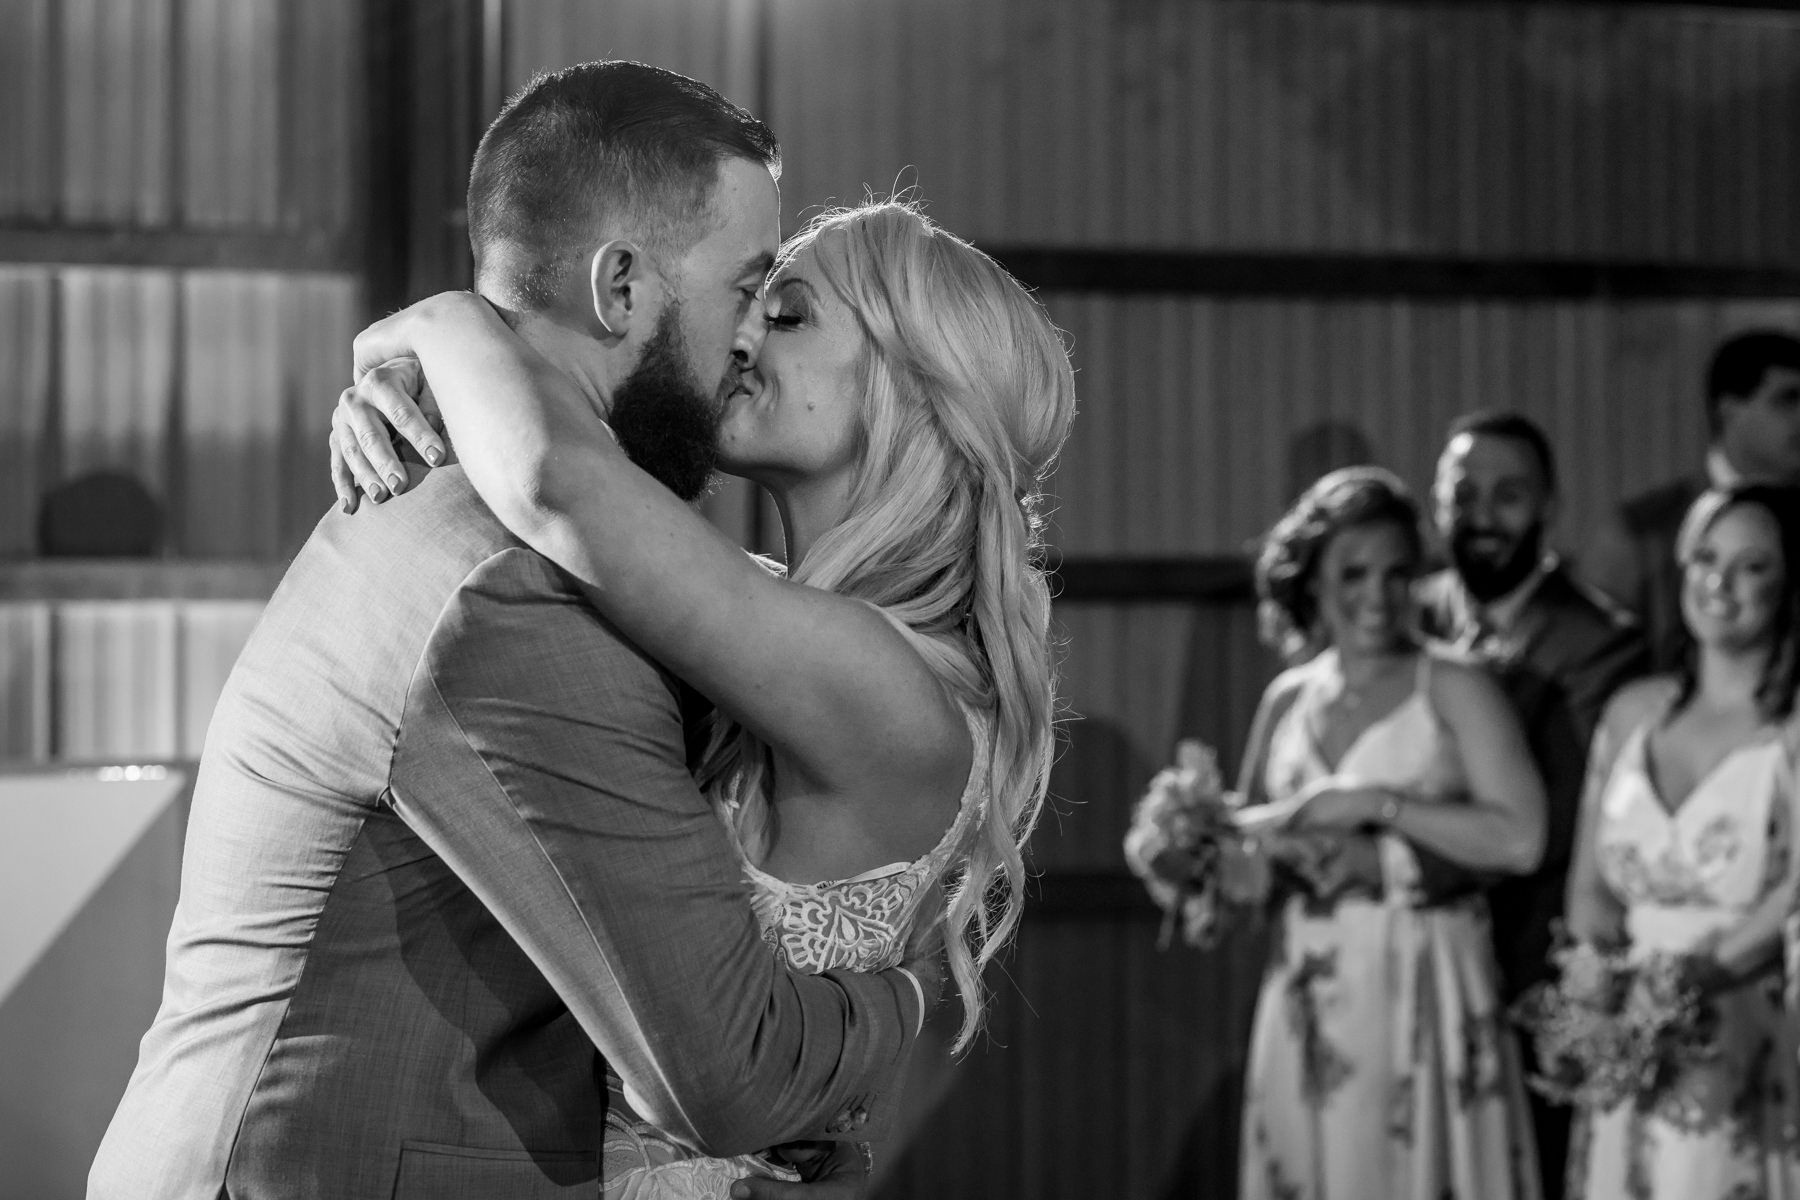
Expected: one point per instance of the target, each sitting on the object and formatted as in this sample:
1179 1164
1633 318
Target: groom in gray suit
445 866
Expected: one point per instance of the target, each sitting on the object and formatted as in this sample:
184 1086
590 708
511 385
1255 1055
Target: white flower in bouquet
1184 843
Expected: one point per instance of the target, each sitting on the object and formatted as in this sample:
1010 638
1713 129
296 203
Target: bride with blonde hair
884 708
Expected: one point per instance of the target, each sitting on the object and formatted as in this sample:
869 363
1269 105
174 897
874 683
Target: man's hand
832 1170
1353 866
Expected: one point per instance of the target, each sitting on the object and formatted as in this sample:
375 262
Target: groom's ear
621 283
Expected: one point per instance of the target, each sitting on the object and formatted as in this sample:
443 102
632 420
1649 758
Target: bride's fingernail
395 483
434 455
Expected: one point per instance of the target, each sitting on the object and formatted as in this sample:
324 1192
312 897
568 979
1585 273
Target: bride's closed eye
789 305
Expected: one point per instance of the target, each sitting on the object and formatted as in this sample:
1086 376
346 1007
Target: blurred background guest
1380 1064
1557 651
1685 849
1753 414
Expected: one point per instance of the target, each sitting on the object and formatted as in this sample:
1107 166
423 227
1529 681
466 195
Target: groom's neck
569 349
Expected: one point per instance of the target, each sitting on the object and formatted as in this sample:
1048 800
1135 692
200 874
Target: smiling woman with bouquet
1684 870
1380 1066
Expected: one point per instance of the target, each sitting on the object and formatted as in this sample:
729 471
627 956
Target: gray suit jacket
443 846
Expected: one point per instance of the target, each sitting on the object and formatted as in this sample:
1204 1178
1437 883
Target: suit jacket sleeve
1614 563
541 756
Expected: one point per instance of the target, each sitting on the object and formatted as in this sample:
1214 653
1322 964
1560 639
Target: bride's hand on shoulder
391 401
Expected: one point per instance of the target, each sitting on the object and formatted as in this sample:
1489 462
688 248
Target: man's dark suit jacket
443 846
1632 561
1567 652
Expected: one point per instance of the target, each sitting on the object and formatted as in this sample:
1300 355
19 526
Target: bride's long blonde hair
967 397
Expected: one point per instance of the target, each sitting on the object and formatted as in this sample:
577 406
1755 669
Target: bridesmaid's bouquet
1610 1029
1185 844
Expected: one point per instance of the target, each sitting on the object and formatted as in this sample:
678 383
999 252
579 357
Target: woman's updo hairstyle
1288 564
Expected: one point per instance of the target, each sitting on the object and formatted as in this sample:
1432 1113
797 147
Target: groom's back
337 1002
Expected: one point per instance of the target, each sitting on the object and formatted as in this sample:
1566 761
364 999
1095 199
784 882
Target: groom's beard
667 422
1491 564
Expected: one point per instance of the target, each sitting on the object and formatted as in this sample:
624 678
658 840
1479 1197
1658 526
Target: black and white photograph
899 600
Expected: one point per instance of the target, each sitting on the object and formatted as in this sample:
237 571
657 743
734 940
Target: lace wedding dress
857 924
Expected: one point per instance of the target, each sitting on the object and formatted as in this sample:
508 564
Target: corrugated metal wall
1479 128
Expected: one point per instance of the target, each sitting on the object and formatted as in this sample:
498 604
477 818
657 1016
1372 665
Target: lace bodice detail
1719 850
862 924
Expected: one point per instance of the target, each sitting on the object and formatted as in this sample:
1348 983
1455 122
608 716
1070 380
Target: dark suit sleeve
1613 563
1590 682
542 758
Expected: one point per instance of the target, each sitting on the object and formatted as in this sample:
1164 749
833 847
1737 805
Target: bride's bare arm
825 678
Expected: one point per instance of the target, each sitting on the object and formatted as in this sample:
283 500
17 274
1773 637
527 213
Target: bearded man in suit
1558 650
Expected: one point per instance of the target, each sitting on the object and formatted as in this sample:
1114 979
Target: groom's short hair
614 143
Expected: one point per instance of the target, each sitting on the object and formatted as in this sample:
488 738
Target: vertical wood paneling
230 138
319 315
322 104
117 371
249 393
119 680
1480 128
115 99
25 673
231 410
25 374
28 111
547 35
116 681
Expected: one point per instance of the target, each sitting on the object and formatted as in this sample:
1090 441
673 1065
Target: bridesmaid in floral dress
1685 849
1380 1064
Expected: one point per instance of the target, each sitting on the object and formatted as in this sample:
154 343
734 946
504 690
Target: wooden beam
121 246
1219 579
1215 579
1231 273
52 579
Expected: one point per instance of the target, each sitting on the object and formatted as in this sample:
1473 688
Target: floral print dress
1381 1067
1723 1131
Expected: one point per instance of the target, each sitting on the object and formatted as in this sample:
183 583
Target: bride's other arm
826 678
